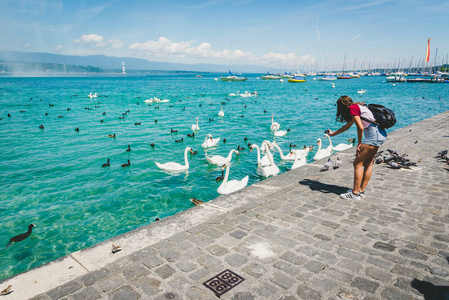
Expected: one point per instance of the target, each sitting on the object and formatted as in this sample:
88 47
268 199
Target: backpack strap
369 121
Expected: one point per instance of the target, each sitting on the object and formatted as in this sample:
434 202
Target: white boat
233 77
270 76
328 78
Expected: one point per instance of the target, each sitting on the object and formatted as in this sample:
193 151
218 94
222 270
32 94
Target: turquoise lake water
54 177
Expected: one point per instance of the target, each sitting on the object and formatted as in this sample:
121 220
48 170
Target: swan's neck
319 146
258 154
280 151
270 157
225 179
330 142
185 158
229 155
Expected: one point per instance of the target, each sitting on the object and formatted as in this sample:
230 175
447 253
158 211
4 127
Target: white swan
221 112
339 147
304 152
173 166
274 125
264 161
209 141
245 95
300 160
362 91
280 133
195 126
220 160
228 187
322 153
289 156
270 170
234 94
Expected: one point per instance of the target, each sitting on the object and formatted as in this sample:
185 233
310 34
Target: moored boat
270 76
297 79
233 77
328 78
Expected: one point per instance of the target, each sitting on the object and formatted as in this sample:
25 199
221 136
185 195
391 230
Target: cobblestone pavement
292 237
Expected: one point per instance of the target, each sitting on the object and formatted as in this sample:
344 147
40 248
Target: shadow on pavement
431 291
323 187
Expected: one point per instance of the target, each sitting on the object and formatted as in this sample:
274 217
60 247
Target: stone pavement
289 237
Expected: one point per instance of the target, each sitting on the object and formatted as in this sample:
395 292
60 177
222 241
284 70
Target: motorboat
297 79
328 78
270 76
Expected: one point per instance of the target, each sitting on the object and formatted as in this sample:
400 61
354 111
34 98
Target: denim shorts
374 135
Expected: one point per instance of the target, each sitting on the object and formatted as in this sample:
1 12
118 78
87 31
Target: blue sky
268 33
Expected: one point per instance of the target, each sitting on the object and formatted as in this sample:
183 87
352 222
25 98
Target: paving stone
400 269
365 284
135 270
350 265
307 250
88 293
201 273
336 274
152 261
124 293
217 250
243 296
41 297
304 292
282 280
186 266
165 271
265 290
170 255
327 258
64 290
315 266
236 260
201 240
149 285
169 295
381 275
92 277
439 272
393 294
384 246
195 293
142 254
288 297
107 284
413 254
286 267
351 254
379 262
254 269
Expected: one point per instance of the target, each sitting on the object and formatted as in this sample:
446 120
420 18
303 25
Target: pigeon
196 202
394 165
337 163
408 164
6 291
20 237
115 249
326 166
441 153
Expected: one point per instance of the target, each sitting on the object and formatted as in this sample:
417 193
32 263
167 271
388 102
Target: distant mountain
115 63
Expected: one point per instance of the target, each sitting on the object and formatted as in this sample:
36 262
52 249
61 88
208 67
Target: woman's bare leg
363 167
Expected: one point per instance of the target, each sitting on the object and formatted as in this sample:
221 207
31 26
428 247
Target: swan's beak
224 167
211 139
250 149
191 151
238 153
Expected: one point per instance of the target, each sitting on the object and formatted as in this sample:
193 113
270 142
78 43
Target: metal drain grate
223 282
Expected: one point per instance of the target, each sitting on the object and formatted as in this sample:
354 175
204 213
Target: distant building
123 67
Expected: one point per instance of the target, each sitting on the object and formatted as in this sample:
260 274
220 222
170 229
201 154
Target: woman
358 113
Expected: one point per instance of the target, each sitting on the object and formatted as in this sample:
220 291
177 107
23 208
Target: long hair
343 103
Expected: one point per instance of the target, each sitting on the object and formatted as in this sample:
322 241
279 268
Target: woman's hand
357 152
329 132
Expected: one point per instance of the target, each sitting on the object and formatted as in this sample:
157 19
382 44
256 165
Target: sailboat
232 77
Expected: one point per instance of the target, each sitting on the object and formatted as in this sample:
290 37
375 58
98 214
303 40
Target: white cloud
58 48
99 41
27 45
355 37
317 32
165 48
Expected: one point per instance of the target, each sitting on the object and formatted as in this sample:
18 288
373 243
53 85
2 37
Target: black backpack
385 117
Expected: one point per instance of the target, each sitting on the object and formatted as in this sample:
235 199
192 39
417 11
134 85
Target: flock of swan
266 166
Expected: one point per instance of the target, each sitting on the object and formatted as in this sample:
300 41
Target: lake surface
54 177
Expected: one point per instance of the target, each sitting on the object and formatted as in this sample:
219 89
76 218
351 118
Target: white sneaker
351 196
362 194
